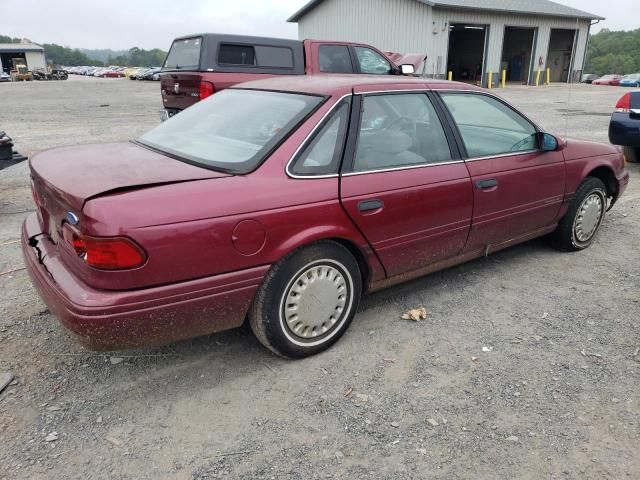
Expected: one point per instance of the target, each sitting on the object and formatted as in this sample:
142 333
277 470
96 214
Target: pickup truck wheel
307 300
578 227
631 154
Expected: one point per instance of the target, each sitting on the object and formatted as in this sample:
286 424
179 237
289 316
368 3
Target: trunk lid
63 179
180 90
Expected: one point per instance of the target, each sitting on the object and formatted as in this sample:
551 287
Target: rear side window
255 55
184 54
335 59
323 154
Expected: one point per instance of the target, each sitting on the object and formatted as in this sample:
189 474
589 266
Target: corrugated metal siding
409 26
390 25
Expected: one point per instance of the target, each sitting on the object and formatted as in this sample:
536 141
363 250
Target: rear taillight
105 253
624 104
206 89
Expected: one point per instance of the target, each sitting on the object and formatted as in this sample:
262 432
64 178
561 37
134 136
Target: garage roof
20 47
521 7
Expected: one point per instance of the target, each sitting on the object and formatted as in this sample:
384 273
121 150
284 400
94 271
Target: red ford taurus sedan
282 201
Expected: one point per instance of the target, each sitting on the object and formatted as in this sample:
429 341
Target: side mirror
407 69
548 143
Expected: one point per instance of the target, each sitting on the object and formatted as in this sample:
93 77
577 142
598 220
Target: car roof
332 84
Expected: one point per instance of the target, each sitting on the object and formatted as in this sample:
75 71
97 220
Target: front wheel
577 229
307 300
631 154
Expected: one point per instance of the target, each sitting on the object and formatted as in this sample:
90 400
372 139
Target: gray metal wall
409 26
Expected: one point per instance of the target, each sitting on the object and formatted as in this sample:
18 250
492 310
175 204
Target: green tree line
59 55
614 52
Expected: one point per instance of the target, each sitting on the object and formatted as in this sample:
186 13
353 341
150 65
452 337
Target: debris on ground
113 441
5 379
52 437
395 424
348 392
116 360
432 422
512 438
415 314
487 349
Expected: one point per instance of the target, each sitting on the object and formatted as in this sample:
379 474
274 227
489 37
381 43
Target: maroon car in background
613 80
282 201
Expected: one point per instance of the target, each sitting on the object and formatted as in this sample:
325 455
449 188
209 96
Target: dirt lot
556 397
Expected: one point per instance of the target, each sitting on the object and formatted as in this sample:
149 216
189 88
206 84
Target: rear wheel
631 154
578 227
307 300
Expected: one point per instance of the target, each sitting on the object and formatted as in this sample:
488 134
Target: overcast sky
121 24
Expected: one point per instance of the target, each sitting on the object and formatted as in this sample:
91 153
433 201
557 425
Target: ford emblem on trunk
72 218
176 88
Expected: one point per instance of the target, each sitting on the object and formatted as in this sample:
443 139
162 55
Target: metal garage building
469 38
31 53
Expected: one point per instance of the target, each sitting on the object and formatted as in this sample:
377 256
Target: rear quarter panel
188 228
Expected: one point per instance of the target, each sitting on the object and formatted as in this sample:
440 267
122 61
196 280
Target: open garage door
561 52
517 57
467 49
6 59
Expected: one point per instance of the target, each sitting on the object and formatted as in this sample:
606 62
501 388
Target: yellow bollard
548 75
490 79
450 75
504 78
537 78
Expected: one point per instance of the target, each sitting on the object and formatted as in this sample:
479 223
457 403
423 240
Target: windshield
184 55
233 130
632 76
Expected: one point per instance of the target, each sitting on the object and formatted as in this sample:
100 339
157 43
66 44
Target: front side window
399 130
232 131
372 62
184 55
335 59
323 154
488 126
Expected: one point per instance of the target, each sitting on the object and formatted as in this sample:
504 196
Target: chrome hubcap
588 217
315 301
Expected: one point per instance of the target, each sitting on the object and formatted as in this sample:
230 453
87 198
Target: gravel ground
527 365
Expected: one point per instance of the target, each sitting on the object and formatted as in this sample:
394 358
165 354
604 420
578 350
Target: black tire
631 154
569 236
316 270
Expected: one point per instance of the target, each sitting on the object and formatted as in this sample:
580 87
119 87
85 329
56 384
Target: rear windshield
232 131
184 54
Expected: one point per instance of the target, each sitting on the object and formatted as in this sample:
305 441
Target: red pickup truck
199 65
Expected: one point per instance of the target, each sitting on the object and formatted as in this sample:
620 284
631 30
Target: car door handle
486 184
370 205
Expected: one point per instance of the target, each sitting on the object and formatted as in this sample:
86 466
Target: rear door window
184 54
335 59
399 130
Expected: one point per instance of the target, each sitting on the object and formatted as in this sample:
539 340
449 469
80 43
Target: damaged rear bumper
109 320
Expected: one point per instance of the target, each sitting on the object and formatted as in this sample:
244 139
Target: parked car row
114 71
631 80
145 74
